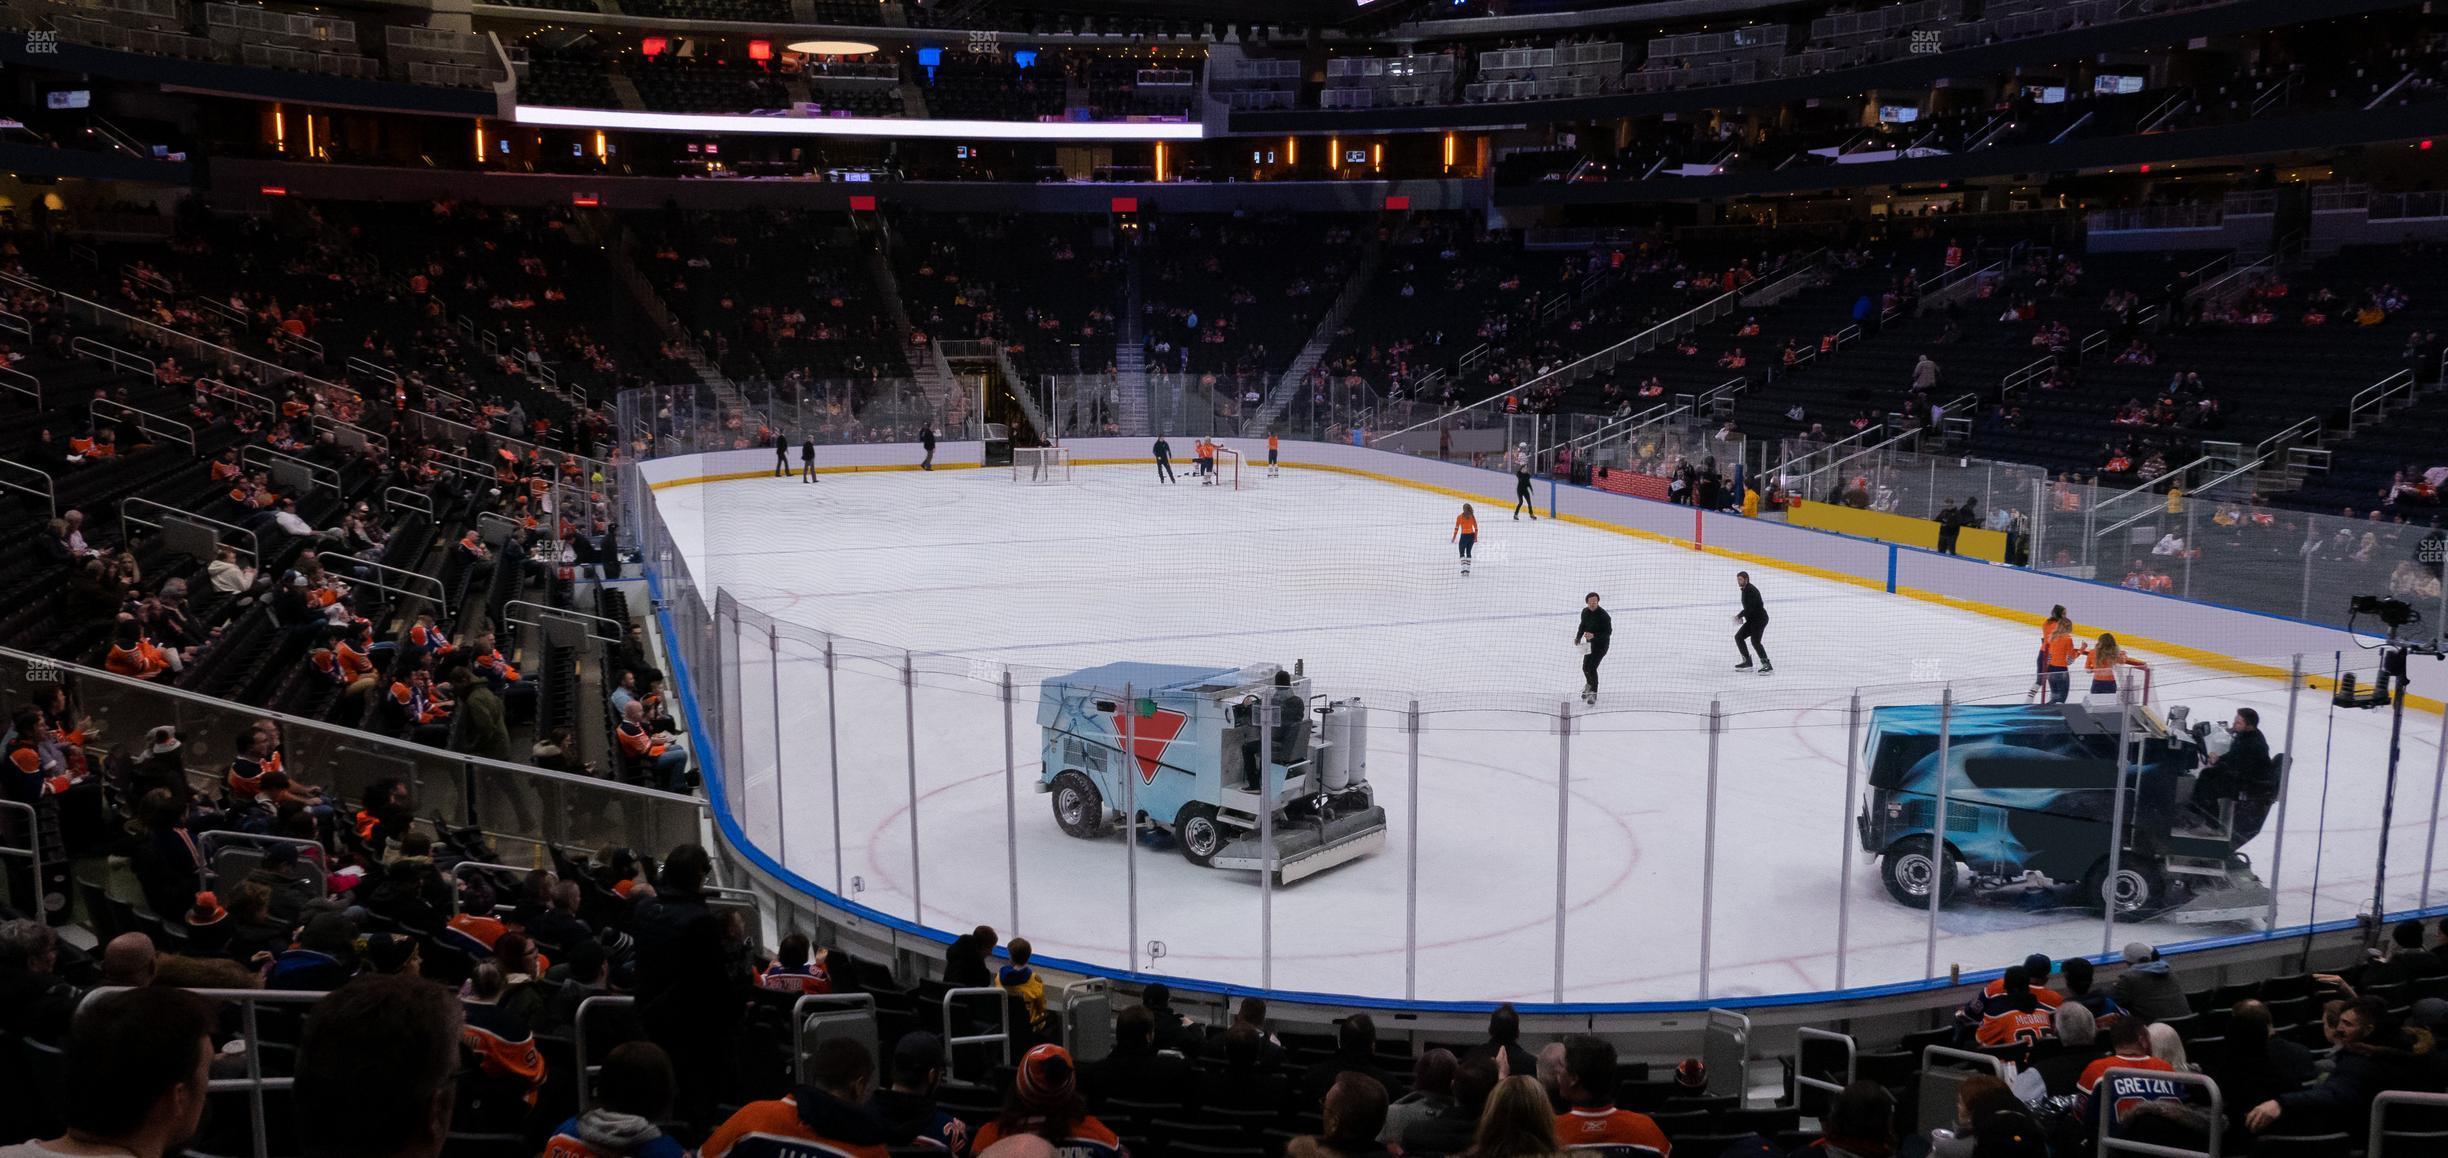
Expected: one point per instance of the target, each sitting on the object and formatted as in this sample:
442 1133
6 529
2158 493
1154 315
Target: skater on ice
1597 627
1466 534
1521 483
1751 624
1164 460
1274 454
2057 648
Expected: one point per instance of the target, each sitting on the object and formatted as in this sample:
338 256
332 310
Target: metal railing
609 631
404 576
578 1042
127 515
250 1031
2374 399
16 324
147 423
116 357
32 852
1649 339
2109 1143
317 473
813 1009
2379 1115
953 1042
404 498
22 383
216 388
50 487
1803 1036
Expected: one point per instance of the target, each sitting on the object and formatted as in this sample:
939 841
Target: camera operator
2243 772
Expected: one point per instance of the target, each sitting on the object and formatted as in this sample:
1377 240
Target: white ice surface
972 575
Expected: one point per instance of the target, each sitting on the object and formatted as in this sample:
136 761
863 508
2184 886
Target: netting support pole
2439 779
1130 819
1411 849
833 769
1844 864
773 644
1563 832
1942 871
1011 804
2116 819
1708 847
2286 778
1266 850
909 725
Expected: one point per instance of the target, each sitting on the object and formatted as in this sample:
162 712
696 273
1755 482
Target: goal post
1228 467
1041 464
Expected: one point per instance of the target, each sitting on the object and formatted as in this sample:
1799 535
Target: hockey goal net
1227 468
1041 464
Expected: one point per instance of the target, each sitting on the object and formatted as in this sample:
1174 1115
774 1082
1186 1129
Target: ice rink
972 575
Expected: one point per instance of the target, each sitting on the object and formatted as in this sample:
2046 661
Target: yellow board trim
2190 654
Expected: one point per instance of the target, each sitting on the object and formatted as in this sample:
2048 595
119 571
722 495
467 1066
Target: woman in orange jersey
2057 649
1466 534
1274 454
2106 658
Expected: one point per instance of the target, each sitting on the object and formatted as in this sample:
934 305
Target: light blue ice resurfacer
1199 740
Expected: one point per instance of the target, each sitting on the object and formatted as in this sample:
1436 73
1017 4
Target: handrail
1810 481
216 388
1608 428
357 365
2143 488
324 424
315 471
2038 368
135 363
220 307
422 504
2219 285
49 491
437 595
145 277
256 1083
578 1042
1930 1053
253 549
18 380
2382 1102
2109 1143
953 1042
33 836
1802 1080
16 324
1779 470
2290 434
2147 512
801 1018
269 371
144 419
563 612
1714 308
2375 397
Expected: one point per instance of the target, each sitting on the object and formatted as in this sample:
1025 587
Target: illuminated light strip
567 118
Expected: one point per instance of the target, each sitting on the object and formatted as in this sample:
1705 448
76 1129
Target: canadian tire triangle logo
1150 735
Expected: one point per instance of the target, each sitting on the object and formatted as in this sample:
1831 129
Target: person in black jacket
2244 771
1596 629
781 455
807 460
2373 1056
1751 625
1164 460
2251 1066
690 993
926 441
1136 1071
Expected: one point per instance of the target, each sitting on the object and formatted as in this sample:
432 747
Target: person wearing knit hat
207 926
1045 1102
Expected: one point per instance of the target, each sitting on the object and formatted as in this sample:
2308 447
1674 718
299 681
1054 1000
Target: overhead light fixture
833 47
